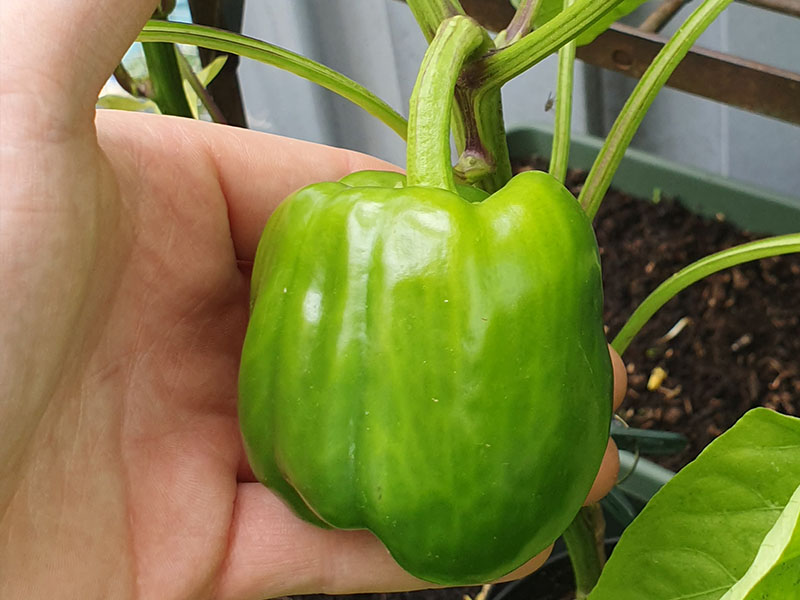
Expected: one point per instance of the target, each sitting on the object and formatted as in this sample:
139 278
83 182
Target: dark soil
738 348
738 345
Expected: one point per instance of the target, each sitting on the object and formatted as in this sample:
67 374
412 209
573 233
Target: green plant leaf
212 69
117 102
776 568
702 531
205 76
551 8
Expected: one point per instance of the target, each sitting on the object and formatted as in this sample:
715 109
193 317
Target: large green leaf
550 8
702 532
775 572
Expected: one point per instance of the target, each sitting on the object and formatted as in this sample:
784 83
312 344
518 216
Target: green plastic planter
646 176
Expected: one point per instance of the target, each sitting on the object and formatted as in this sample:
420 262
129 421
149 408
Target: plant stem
631 115
559 157
661 16
163 70
165 75
520 24
428 159
484 160
477 122
234 43
125 80
475 162
164 9
772 246
429 14
585 545
502 66
200 90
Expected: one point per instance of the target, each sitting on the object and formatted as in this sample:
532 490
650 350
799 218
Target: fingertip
607 475
620 378
529 567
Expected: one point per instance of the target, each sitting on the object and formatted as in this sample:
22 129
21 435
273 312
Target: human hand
125 244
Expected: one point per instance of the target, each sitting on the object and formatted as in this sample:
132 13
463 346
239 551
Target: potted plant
450 273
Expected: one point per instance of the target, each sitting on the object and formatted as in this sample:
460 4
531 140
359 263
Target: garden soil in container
725 345
729 343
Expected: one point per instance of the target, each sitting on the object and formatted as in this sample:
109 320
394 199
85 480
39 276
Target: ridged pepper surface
426 361
430 368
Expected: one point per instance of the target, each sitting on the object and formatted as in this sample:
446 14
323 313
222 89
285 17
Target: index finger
620 377
257 171
252 172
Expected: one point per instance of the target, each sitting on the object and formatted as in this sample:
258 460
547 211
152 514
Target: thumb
57 59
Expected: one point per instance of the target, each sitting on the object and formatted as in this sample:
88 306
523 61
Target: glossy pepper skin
430 367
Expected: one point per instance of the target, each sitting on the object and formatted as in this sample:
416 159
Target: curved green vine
772 246
428 157
632 114
233 43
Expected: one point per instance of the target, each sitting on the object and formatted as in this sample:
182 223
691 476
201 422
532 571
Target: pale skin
124 249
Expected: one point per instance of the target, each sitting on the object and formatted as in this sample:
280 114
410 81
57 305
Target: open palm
125 251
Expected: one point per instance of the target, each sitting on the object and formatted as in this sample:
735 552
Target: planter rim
644 175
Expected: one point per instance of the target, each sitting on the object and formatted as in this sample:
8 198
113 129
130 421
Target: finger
257 171
606 476
273 553
620 378
254 171
609 468
59 58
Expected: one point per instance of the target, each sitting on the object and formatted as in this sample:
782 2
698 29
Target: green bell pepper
429 363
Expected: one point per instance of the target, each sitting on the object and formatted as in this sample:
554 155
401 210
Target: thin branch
772 246
430 13
200 90
632 114
125 80
520 25
786 7
501 66
225 41
559 156
662 15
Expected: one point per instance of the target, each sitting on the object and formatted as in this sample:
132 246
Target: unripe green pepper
429 364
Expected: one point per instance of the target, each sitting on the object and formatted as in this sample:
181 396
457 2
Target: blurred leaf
618 506
118 102
647 441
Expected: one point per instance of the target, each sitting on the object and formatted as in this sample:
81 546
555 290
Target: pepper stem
428 160
586 548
